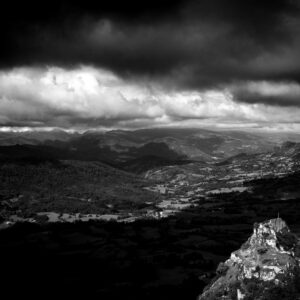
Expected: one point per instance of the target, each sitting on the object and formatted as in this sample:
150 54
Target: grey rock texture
267 266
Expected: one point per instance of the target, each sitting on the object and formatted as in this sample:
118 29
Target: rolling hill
117 147
69 186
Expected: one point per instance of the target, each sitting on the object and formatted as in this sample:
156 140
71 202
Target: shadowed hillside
70 186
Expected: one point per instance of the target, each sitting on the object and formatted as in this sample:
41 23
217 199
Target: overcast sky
133 64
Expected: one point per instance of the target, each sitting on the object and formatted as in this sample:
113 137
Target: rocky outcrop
267 266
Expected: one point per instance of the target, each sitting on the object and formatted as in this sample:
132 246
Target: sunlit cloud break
89 97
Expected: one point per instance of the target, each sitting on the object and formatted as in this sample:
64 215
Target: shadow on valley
134 160
170 258
163 258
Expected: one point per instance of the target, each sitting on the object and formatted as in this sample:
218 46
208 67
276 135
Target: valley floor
87 229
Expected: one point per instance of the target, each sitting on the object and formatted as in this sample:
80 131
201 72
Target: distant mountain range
34 137
137 150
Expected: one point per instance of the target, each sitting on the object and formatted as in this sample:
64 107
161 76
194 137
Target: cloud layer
88 97
146 63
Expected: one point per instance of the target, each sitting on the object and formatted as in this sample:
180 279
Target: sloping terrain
117 147
169 258
266 267
196 144
34 137
69 186
291 149
284 188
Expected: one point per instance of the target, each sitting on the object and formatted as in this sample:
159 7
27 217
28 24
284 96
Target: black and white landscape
150 149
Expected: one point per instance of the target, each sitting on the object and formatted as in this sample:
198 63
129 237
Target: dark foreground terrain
178 214
170 258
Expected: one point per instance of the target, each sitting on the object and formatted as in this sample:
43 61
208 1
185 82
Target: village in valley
184 186
179 187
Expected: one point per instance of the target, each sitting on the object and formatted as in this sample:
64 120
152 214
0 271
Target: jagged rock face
266 265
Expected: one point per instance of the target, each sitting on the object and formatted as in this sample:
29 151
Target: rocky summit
267 266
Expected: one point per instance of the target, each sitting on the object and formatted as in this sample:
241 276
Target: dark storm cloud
252 98
278 94
190 44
